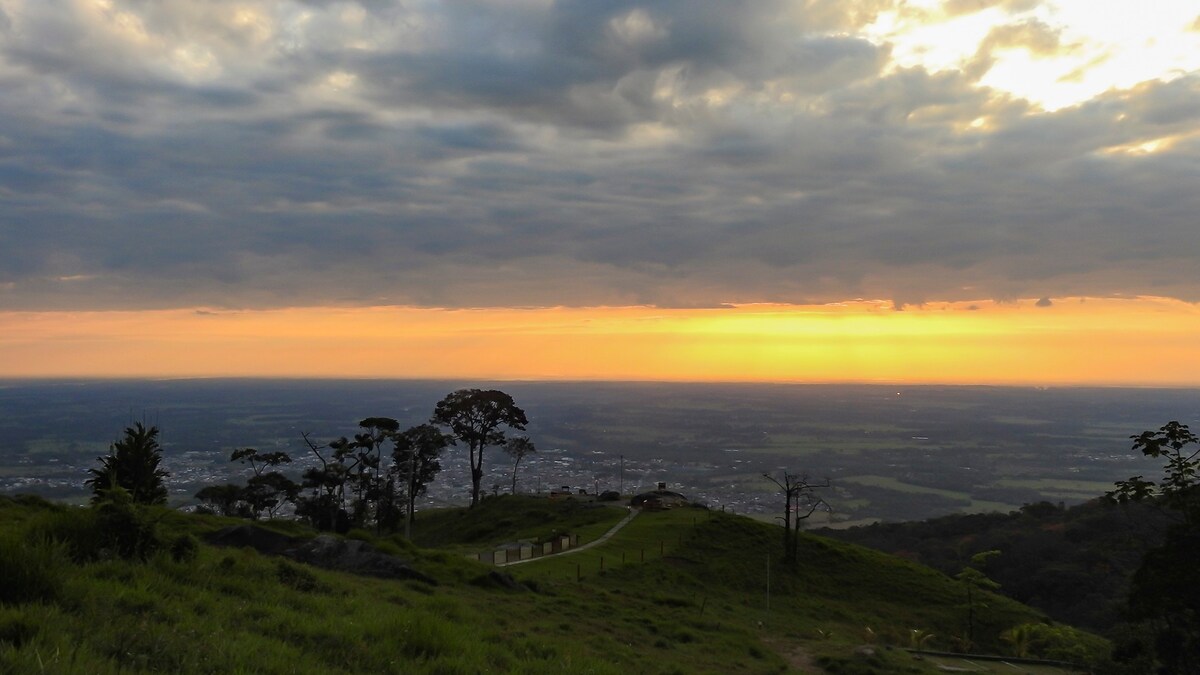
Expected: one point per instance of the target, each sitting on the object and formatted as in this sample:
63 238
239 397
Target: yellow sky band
1138 341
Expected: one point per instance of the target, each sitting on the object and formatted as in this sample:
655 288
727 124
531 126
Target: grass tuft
30 571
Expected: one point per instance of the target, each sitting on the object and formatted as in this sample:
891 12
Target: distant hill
1072 563
682 591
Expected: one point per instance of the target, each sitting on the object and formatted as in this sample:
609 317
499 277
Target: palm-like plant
1021 638
919 638
132 463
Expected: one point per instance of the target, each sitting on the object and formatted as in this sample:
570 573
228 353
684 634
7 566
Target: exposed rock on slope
326 551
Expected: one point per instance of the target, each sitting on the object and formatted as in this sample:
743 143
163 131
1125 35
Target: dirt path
603 538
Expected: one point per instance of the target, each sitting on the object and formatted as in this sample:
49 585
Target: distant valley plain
890 452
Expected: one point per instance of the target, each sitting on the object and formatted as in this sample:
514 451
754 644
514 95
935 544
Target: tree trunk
787 526
476 474
796 542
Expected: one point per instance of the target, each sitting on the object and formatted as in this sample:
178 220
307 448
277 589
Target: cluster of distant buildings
659 499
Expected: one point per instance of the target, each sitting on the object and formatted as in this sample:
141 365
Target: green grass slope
510 518
1073 563
713 569
692 600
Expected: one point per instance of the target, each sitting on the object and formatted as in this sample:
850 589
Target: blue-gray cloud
252 154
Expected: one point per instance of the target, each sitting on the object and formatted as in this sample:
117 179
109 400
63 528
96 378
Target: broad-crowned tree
479 418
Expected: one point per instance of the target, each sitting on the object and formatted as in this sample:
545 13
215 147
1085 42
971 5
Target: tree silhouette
226 500
518 448
323 505
975 580
415 462
266 490
132 463
1164 593
372 490
475 417
800 496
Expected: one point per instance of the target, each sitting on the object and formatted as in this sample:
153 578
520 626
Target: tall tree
370 480
324 506
518 448
415 461
132 463
975 580
266 490
476 418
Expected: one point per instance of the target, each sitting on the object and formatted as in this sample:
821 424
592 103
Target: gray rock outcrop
325 551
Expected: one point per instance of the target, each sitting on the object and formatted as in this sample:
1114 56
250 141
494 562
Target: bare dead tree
800 501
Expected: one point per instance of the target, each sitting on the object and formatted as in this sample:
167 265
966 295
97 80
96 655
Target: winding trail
599 540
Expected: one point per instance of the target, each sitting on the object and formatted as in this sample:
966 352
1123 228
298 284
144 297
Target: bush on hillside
114 527
75 529
184 548
16 627
30 571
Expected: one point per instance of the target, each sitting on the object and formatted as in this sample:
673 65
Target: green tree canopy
1164 594
132 463
478 418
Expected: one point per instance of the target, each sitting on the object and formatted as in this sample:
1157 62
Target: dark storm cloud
250 154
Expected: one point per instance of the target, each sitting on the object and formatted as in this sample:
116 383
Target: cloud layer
169 153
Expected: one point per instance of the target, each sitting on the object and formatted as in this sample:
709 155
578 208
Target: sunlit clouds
268 159
1054 54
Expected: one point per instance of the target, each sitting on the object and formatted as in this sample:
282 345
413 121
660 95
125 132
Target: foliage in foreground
1164 597
192 608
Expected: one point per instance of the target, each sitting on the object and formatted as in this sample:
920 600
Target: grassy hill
679 592
507 519
1072 563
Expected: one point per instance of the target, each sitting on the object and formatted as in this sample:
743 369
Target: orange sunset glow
1074 341
335 189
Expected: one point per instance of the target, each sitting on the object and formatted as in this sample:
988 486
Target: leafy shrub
125 527
16 628
184 548
30 571
75 529
1062 643
296 577
113 527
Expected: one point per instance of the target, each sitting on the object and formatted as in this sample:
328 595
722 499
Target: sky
967 191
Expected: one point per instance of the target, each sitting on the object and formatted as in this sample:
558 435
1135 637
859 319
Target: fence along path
653 535
599 540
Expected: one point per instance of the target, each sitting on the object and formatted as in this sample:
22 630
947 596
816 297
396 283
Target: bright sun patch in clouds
1101 44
